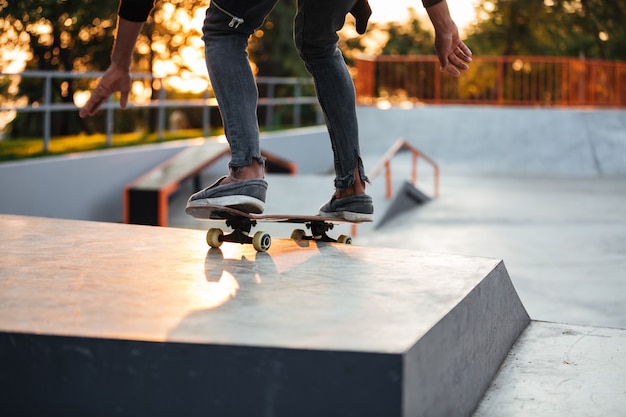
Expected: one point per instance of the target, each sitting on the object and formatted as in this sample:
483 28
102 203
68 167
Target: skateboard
241 224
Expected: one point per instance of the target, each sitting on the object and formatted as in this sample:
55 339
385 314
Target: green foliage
61 36
272 48
592 28
28 148
408 38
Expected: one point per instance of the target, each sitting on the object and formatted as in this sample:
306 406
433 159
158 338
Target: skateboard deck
241 224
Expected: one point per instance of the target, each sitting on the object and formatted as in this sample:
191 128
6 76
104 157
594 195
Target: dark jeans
227 28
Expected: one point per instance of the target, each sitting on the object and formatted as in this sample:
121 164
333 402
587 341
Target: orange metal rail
385 164
502 80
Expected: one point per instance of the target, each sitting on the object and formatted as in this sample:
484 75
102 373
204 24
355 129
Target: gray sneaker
244 195
356 208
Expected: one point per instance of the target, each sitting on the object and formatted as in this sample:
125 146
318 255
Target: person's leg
315 33
227 28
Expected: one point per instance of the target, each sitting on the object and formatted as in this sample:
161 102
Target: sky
462 11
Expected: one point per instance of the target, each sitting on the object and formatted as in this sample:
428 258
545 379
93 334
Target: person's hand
114 79
454 56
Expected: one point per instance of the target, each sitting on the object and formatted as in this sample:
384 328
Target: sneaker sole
349 216
243 203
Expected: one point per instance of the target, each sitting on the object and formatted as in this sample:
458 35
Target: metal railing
385 163
401 145
162 103
502 81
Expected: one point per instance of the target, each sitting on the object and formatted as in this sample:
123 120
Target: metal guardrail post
161 112
500 81
206 115
618 90
109 122
46 115
161 103
297 93
269 111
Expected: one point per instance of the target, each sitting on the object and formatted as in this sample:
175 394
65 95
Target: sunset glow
462 11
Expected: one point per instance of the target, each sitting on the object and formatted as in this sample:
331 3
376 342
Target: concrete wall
88 186
510 141
84 186
308 147
477 140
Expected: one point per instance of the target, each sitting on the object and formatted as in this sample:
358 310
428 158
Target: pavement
563 240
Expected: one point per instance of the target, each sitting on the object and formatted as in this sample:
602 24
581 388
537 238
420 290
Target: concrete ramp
103 319
407 198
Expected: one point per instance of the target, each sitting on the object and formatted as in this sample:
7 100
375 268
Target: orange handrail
385 164
493 80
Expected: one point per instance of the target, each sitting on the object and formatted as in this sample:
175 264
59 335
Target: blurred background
546 53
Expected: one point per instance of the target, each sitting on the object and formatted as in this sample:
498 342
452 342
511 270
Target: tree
62 36
272 48
603 23
408 38
593 28
66 36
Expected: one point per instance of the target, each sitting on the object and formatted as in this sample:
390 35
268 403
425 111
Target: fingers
466 51
457 60
93 105
112 82
123 99
443 60
84 112
95 102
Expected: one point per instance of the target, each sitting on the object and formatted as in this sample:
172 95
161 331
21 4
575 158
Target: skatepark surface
542 190
557 219
563 239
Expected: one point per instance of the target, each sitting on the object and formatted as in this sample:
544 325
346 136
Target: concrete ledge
146 199
449 368
100 318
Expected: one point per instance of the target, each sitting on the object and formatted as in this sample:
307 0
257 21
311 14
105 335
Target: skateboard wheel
261 241
345 239
298 234
213 237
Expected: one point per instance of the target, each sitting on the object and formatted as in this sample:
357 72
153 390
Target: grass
17 149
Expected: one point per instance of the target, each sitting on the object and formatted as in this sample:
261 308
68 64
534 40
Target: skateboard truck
261 241
318 233
241 234
241 224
